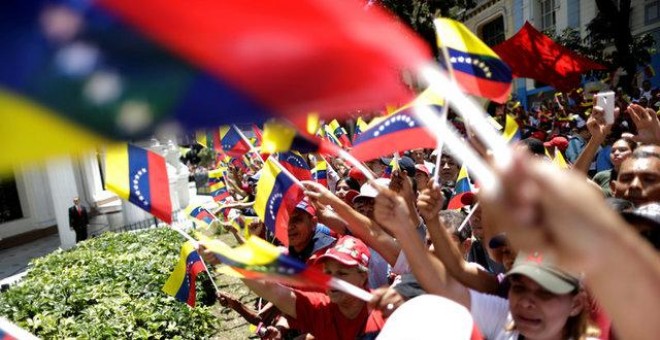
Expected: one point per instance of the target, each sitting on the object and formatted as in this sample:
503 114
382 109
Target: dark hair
618 204
452 220
534 146
353 184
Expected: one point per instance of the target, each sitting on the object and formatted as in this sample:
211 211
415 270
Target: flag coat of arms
181 283
277 196
476 68
139 176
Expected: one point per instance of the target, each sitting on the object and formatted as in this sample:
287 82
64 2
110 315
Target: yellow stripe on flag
277 137
116 170
264 188
460 38
31 133
173 283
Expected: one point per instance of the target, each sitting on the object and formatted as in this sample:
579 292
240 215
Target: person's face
76 201
365 206
349 274
255 228
448 169
421 179
538 313
504 255
418 156
638 180
339 165
342 189
301 229
477 226
620 151
376 166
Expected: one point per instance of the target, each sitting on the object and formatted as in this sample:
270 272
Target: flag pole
467 218
252 149
471 112
443 115
347 156
350 289
286 172
459 149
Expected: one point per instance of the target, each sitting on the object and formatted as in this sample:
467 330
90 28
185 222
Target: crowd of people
553 254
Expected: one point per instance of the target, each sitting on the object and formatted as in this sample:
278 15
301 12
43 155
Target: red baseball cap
357 175
559 142
306 206
422 168
349 251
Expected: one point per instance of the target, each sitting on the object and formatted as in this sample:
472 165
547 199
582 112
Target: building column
63 188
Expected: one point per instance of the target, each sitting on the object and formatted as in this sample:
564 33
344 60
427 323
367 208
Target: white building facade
36 200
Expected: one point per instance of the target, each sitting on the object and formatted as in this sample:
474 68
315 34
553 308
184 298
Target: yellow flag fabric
32 133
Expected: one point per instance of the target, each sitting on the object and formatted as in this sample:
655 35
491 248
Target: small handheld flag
277 196
232 142
139 176
462 190
339 132
295 164
181 283
476 68
258 259
320 172
280 137
511 130
202 215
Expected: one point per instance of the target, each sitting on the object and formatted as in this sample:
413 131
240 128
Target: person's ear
467 244
613 184
578 303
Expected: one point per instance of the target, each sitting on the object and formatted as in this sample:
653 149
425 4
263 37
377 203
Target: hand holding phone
606 101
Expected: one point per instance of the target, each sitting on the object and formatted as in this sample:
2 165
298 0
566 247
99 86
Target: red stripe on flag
159 185
195 269
289 201
496 90
393 142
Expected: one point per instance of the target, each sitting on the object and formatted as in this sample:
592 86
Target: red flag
272 51
531 54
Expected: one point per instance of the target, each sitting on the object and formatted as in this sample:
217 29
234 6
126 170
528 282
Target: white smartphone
606 101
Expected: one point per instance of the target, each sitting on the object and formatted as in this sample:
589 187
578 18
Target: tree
611 27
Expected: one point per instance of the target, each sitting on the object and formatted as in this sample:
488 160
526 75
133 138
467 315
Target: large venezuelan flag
398 132
181 283
277 196
476 68
258 259
139 176
122 68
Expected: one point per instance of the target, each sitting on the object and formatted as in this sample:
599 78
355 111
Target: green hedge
108 287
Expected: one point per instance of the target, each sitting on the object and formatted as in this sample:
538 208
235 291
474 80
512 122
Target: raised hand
391 210
596 124
317 193
430 202
646 121
387 300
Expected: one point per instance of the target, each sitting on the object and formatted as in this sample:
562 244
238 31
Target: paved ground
15 260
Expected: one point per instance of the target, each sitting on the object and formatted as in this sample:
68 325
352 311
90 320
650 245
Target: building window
548 15
492 33
652 12
10 204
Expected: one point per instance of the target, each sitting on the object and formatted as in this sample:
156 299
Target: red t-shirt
321 318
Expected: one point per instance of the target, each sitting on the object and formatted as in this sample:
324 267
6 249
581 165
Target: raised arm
359 225
599 131
392 212
429 203
281 296
559 214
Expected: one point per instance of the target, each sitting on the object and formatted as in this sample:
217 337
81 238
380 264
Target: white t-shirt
491 314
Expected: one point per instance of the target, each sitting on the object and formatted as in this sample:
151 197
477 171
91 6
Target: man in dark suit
78 220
